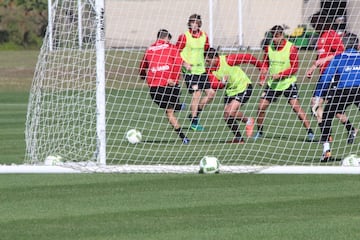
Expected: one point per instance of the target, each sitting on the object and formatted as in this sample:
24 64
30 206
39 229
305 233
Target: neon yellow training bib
193 52
237 79
280 61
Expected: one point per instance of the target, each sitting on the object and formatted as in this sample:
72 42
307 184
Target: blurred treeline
22 23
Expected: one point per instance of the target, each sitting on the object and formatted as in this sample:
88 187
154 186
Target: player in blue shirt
345 68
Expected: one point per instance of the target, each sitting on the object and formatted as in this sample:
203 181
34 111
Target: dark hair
276 29
322 21
351 40
163 33
211 53
195 17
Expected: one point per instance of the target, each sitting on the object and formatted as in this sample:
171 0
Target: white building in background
134 23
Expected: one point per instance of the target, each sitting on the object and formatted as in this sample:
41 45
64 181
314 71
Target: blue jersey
345 67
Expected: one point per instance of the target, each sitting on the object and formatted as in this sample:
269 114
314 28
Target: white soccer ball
53 160
209 165
133 136
351 161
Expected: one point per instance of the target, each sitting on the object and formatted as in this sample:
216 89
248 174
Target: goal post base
189 169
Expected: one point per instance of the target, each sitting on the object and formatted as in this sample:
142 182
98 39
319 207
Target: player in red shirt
192 45
328 46
161 67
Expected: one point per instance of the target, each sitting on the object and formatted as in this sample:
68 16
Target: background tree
23 22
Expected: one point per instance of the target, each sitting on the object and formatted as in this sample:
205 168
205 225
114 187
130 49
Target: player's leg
170 102
230 111
263 105
194 105
325 127
203 85
267 97
170 113
209 96
317 108
292 94
191 81
241 99
352 131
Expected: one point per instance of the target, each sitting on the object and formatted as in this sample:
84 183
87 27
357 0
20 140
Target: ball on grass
209 165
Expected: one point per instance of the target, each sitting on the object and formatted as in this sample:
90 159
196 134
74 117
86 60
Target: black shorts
272 95
166 97
342 99
241 97
197 82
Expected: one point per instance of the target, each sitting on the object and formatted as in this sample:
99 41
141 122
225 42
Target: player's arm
178 62
214 82
181 42
143 67
237 59
264 67
337 46
294 65
207 43
326 78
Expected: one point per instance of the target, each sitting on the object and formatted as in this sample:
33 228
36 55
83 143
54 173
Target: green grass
143 206
161 206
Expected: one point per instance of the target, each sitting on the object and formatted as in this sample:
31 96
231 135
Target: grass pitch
144 206
161 206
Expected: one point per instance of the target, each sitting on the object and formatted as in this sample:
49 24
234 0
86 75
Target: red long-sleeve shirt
294 60
160 63
329 44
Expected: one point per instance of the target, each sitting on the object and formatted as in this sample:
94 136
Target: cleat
185 141
258 135
197 127
311 137
249 128
237 140
351 137
326 156
190 117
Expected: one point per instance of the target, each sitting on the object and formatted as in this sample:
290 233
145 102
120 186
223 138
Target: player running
192 45
224 72
328 46
160 67
347 67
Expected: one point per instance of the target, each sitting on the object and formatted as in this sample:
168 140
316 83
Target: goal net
87 93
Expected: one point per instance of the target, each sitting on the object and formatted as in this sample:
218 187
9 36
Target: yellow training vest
237 81
280 61
193 53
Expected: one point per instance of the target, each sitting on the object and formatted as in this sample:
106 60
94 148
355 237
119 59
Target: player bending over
224 72
161 67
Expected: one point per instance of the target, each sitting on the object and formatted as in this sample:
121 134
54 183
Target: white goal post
87 93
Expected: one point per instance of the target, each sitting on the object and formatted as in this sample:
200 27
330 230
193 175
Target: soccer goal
86 91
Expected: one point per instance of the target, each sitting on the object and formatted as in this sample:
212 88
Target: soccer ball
351 161
209 165
133 136
53 160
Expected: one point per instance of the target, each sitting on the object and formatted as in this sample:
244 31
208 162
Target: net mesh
61 116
